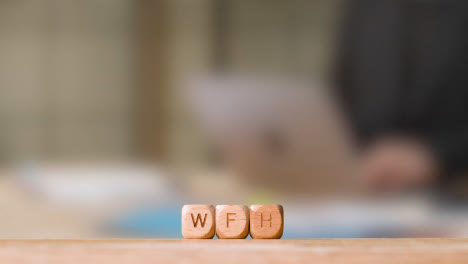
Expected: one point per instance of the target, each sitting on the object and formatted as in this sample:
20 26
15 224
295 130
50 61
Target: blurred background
115 113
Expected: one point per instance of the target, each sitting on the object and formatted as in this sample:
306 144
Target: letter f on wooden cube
232 221
198 221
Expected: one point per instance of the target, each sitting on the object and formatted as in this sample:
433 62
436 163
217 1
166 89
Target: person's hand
395 164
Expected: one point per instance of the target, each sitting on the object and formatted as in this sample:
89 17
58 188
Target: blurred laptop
279 133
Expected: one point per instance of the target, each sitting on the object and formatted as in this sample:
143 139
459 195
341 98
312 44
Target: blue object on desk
149 222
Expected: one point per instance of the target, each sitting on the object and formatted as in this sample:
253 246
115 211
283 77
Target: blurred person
402 69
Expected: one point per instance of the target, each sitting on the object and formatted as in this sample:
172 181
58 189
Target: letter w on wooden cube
198 221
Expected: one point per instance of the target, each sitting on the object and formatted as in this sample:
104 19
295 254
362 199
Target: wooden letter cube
266 221
232 221
198 221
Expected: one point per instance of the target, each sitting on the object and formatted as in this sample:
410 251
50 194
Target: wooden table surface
236 251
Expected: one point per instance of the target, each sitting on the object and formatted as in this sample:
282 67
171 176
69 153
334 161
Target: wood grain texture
206 251
266 221
232 221
198 221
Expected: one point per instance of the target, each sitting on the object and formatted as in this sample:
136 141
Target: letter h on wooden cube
266 221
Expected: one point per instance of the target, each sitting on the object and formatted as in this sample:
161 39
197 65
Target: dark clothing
403 68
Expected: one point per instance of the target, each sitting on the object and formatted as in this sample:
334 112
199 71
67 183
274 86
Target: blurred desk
26 215
236 251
